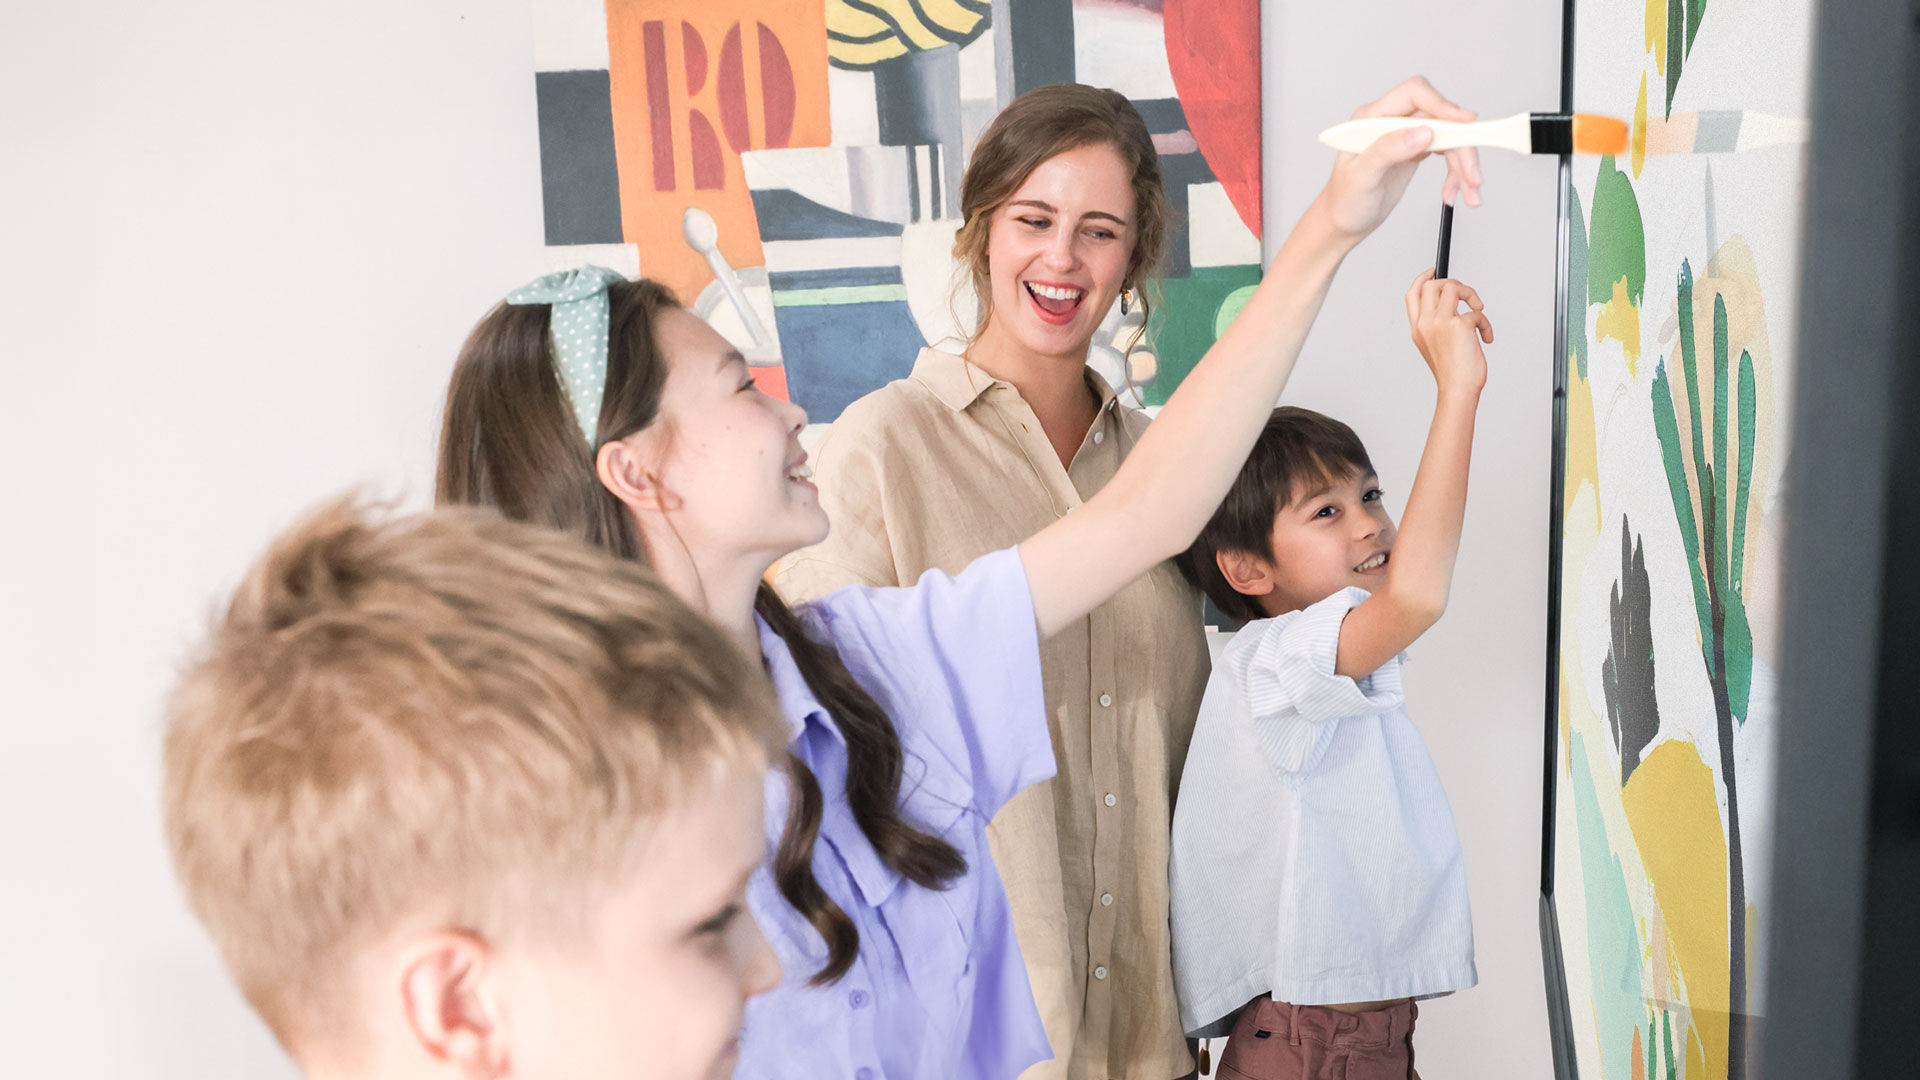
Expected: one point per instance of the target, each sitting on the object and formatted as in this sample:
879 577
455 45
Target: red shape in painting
709 168
733 91
776 88
1213 49
696 58
654 42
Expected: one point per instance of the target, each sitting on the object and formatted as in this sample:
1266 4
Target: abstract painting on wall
1682 264
791 168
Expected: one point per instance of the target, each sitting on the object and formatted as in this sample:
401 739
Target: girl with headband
914 713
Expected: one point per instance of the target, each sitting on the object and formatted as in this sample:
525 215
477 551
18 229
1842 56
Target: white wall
1475 685
254 235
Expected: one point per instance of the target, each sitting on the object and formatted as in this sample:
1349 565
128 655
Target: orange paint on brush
1593 134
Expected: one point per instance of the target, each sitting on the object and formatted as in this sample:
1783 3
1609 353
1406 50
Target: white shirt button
1105 700
1100 972
1106 899
1099 437
1110 800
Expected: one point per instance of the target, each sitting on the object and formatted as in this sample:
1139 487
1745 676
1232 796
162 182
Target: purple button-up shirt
939 989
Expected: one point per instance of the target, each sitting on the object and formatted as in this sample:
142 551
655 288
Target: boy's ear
452 1010
1246 573
624 469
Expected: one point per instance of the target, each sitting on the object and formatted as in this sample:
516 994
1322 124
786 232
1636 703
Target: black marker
1446 241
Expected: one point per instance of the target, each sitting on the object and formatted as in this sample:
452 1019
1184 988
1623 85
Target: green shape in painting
1617 243
1613 940
1576 275
1695 9
1676 47
1193 308
1666 1037
1230 309
1716 539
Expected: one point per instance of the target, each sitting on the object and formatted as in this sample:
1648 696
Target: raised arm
1419 575
1175 478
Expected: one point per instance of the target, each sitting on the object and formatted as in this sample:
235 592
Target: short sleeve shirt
1318 862
938 989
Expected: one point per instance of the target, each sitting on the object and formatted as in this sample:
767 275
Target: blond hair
450 717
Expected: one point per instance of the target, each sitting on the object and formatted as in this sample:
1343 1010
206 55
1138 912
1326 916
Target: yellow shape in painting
1640 127
1675 817
1583 456
1619 319
1656 39
876 30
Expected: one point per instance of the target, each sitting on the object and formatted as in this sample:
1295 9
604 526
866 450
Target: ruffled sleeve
1286 671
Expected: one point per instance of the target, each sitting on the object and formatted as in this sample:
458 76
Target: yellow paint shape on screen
1673 809
1640 128
1619 319
1656 37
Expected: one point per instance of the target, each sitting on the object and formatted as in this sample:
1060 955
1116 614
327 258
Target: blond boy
458 797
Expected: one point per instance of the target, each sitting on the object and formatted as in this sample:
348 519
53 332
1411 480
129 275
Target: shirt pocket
934 927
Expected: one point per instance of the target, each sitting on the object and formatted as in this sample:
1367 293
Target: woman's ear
1247 573
624 469
452 1009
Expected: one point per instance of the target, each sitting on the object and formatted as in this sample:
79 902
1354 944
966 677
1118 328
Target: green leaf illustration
1617 244
1668 429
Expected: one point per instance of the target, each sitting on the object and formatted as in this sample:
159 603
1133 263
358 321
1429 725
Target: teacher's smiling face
1058 251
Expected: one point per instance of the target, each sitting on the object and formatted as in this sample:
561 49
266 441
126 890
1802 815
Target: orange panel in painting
695 83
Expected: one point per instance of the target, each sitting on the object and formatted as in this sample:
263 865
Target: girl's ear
1246 573
624 469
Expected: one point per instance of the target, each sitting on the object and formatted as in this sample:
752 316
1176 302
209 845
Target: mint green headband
579 328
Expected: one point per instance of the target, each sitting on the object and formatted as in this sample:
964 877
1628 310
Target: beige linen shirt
933 471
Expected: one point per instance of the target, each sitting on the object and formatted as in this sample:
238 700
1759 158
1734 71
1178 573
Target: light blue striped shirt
1314 854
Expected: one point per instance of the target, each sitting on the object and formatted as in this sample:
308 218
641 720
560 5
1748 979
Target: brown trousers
1273 1040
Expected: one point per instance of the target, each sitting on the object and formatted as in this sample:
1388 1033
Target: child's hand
1365 187
1449 339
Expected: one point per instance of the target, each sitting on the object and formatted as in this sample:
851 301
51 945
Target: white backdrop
243 242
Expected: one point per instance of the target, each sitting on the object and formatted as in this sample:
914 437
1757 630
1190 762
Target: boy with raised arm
1318 888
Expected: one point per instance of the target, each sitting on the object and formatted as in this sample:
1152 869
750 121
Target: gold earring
1126 300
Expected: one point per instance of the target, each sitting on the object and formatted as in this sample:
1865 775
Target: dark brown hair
510 441
1038 125
1297 447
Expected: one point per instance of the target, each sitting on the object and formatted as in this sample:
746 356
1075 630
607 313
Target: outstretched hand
1448 338
1366 186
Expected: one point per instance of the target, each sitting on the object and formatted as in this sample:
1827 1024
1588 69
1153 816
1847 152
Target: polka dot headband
579 328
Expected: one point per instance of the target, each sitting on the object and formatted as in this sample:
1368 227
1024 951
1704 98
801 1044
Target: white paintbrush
1524 133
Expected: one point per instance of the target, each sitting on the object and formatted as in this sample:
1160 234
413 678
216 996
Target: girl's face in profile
730 462
1058 250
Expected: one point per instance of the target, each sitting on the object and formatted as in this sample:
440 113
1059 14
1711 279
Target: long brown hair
509 440
1043 123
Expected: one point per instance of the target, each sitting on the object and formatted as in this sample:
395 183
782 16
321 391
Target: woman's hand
1365 187
1449 339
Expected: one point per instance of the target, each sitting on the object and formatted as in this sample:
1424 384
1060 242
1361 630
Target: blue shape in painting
844 330
836 353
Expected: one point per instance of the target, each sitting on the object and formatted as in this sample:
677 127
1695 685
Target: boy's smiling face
1330 534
